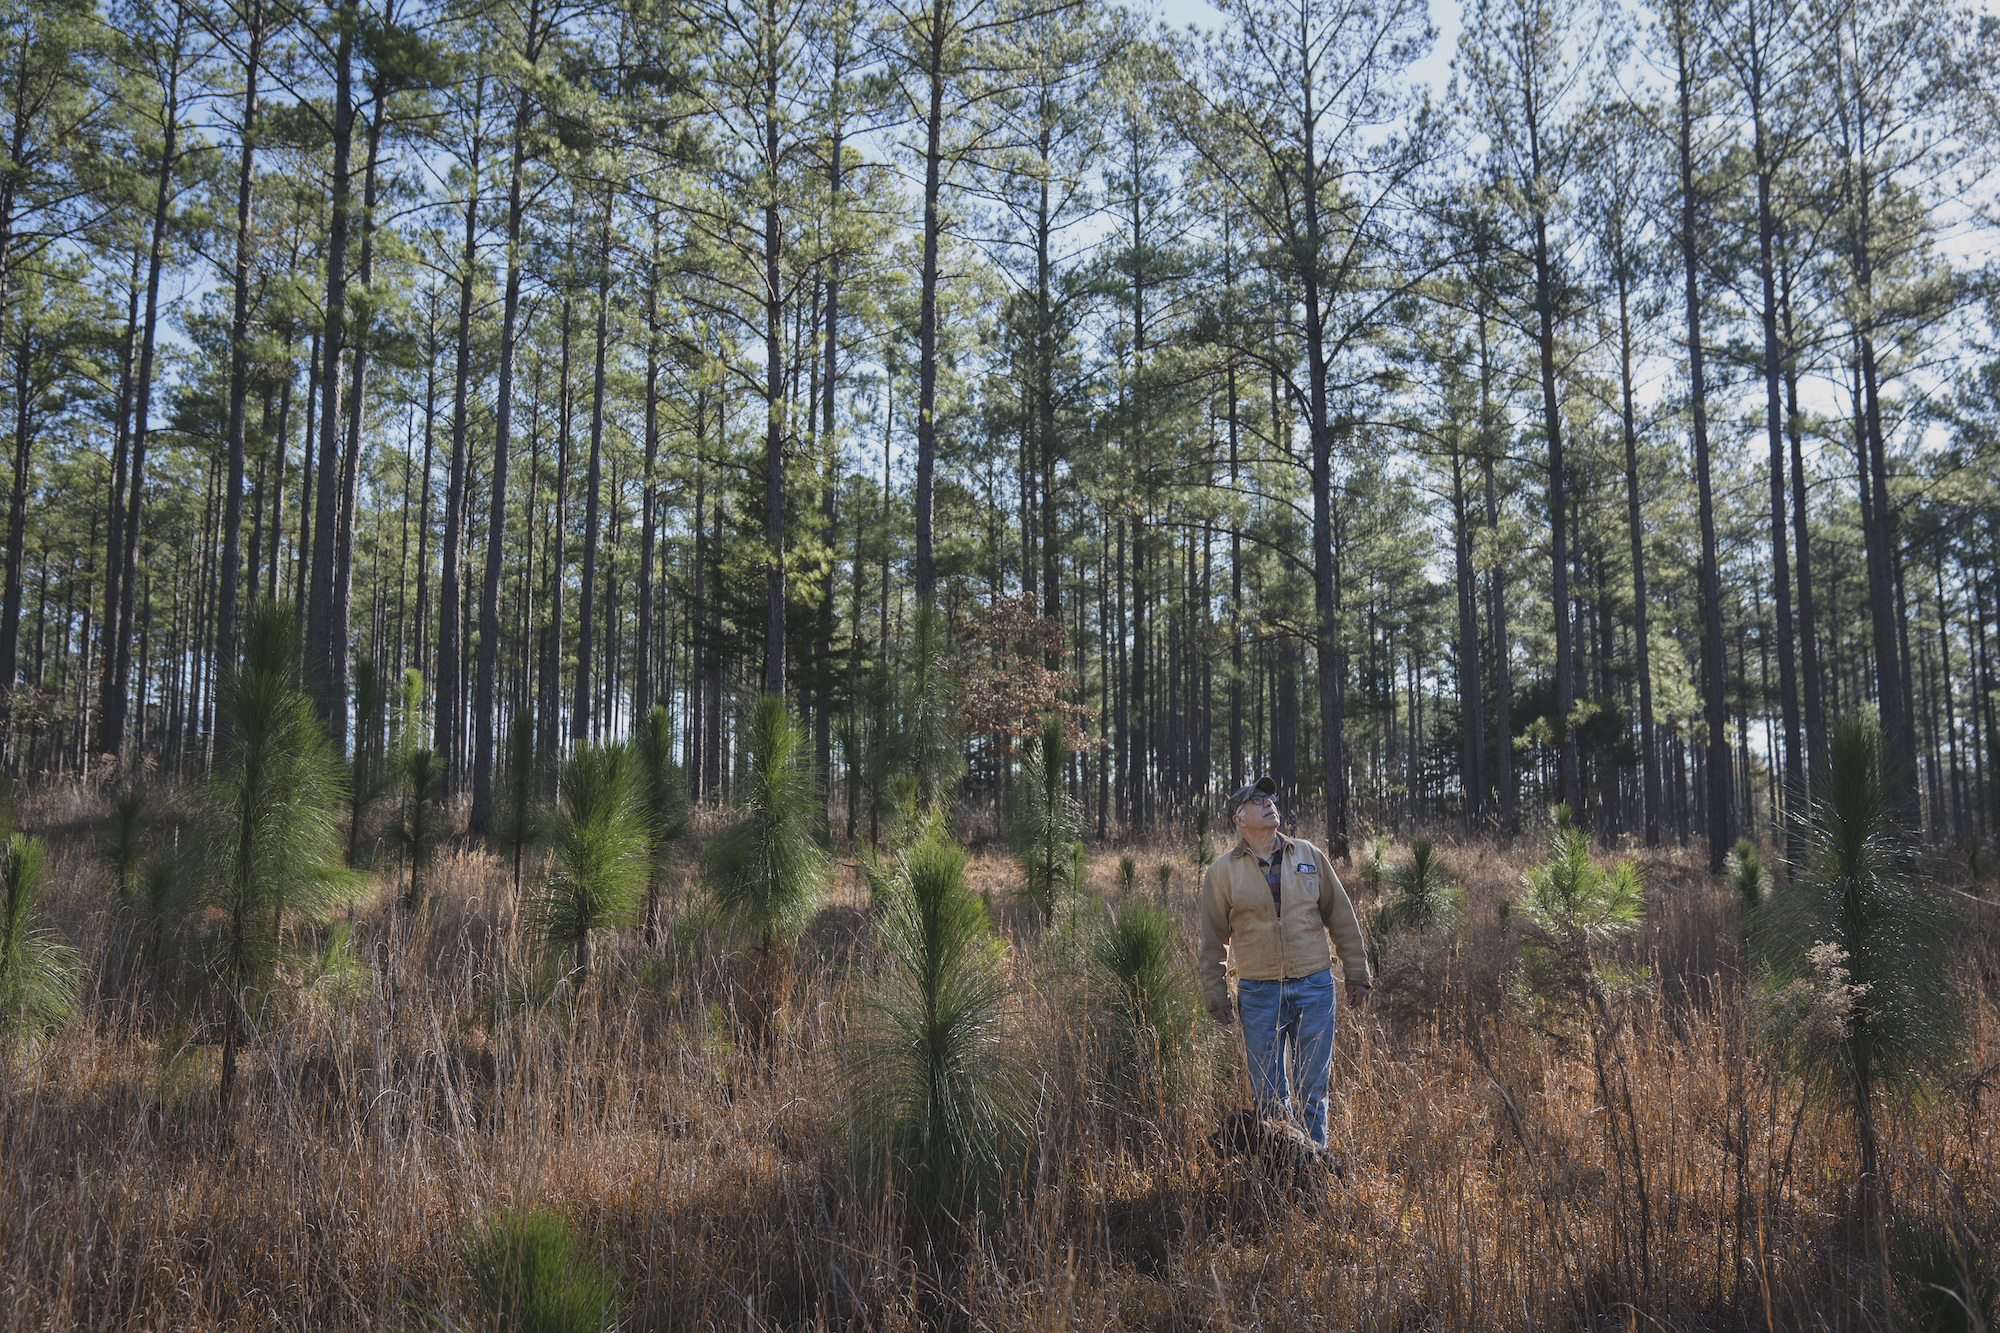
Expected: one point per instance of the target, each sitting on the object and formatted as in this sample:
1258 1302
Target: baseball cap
1264 786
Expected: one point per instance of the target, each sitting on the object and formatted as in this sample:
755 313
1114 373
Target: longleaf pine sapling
597 858
271 852
37 968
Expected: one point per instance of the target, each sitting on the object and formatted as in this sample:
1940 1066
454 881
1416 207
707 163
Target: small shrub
1128 875
271 848
154 905
1043 821
1374 865
1164 873
534 1273
336 973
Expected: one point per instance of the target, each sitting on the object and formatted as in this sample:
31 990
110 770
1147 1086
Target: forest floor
398 1095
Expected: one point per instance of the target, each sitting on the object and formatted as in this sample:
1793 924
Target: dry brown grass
1482 1186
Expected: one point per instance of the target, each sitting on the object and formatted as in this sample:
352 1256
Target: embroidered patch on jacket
1307 868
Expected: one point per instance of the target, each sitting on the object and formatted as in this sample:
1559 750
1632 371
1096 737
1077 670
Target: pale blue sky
1434 69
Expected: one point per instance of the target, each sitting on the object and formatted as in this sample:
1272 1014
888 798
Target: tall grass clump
38 971
597 858
1044 820
941 1097
1153 1001
534 1273
270 850
663 802
1855 1002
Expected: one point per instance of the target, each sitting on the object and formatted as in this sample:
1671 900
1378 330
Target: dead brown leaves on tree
1000 651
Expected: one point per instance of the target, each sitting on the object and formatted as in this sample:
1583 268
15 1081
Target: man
1275 904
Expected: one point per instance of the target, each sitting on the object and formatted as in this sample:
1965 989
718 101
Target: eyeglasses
1262 800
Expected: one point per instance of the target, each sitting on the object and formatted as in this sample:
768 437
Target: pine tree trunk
450 651
350 458
643 686
1649 757
581 713
1781 590
239 334
326 692
496 518
118 665
556 559
1470 689
1720 833
927 320
1809 665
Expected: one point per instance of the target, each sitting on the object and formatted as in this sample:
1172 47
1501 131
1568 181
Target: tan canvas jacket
1238 918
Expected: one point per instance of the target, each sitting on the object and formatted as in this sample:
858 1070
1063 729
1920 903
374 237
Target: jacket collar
1242 848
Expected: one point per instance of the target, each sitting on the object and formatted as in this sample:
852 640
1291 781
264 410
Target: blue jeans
1288 1030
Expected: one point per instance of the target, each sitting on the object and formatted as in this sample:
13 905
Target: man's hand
1224 1013
1357 996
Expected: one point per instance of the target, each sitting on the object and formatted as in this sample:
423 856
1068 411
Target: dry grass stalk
1481 1190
